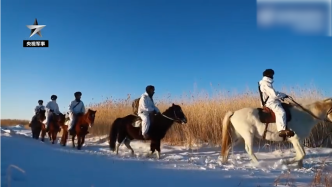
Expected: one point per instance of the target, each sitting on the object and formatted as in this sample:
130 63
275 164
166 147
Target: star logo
35 28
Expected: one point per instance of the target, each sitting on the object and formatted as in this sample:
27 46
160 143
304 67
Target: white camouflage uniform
75 108
145 106
274 101
51 105
39 107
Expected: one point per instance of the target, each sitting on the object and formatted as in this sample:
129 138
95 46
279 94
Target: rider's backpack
135 106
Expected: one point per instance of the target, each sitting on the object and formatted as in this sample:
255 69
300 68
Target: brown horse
54 128
61 124
36 124
81 129
64 136
124 129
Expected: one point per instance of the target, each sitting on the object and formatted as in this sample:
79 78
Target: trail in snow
53 165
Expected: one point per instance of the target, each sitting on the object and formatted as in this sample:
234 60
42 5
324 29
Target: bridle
176 118
91 118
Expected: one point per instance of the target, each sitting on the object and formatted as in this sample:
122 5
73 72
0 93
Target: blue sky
112 48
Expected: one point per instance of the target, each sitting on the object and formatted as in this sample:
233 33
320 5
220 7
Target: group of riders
269 97
76 108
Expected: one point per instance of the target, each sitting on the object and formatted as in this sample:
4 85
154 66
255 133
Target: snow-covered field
44 164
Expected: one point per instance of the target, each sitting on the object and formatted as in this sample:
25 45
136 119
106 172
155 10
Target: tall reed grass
10 122
204 112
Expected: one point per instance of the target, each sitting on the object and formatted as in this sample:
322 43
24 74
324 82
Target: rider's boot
286 133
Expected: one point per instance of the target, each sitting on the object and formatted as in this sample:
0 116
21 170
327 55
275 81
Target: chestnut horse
81 129
54 129
36 124
128 128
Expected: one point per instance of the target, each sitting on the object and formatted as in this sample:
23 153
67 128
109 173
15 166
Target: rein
170 117
167 117
309 112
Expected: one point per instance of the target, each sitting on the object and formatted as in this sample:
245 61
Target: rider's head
150 90
268 73
40 102
78 95
54 97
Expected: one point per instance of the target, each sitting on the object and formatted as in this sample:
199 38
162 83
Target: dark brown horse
124 130
36 124
81 129
54 129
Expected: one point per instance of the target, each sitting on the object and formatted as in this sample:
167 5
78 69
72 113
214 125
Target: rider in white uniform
145 107
272 99
76 108
51 108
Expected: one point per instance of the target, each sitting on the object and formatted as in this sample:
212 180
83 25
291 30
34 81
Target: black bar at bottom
35 43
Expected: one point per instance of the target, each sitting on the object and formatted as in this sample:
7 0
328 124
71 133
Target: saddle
266 115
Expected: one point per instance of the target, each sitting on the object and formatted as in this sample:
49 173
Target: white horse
244 124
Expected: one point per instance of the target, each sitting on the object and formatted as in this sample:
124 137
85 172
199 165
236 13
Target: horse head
90 117
41 115
175 112
328 109
61 119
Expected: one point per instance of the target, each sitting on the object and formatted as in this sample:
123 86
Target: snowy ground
50 165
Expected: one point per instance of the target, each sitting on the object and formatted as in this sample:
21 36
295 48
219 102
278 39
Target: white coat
75 108
79 107
51 105
145 106
274 101
39 107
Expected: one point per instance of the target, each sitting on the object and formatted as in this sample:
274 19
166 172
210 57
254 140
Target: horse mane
319 104
313 107
169 109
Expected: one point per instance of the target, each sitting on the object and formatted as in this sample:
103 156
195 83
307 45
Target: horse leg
300 152
43 133
33 132
64 136
121 139
153 146
73 139
79 141
38 130
236 142
54 133
158 148
127 144
83 140
249 141
49 135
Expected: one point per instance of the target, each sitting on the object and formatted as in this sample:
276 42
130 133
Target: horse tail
226 135
113 133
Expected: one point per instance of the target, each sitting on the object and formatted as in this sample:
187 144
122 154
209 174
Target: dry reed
10 122
204 112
